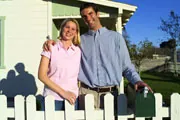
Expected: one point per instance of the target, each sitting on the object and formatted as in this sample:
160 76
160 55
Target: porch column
119 21
119 29
119 24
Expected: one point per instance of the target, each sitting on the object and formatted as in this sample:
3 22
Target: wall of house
25 32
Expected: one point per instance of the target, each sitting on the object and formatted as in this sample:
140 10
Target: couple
102 55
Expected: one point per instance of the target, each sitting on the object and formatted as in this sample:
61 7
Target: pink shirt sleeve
46 53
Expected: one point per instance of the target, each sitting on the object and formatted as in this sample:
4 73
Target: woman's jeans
59 105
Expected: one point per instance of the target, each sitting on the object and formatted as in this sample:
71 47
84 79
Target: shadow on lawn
160 76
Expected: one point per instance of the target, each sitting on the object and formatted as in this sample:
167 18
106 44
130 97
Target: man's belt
99 89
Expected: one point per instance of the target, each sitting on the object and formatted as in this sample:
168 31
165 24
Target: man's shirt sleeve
128 68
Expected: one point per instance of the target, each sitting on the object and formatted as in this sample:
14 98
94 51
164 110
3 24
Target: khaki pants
98 97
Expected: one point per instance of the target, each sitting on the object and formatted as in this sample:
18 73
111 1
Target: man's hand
140 84
47 45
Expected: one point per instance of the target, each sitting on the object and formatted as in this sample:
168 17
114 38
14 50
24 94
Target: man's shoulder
84 34
111 32
114 32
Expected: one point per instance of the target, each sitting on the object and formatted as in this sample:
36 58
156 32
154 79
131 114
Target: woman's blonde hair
76 40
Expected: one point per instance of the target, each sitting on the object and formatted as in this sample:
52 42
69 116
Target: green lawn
164 83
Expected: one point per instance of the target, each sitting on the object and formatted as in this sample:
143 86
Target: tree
126 38
140 52
172 28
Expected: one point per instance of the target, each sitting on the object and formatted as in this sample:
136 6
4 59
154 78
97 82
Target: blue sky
147 18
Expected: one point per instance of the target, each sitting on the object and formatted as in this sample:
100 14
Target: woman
58 69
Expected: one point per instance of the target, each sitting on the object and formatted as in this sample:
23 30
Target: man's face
91 18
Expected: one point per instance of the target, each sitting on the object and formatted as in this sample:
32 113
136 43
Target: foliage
168 44
172 28
126 38
140 52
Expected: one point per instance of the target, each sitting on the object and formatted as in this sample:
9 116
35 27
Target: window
2 19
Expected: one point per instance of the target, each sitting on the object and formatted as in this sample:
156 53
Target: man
105 58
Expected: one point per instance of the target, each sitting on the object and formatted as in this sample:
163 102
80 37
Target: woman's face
69 31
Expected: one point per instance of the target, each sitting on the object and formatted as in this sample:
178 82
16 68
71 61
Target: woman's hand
69 96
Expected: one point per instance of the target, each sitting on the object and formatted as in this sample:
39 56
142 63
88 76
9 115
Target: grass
164 83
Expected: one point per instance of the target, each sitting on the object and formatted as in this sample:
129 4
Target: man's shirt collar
100 31
60 46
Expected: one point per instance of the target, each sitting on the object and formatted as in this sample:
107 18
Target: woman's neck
66 43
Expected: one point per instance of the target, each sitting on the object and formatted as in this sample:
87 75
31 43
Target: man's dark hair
87 5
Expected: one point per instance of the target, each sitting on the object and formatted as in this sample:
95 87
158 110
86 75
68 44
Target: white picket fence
25 109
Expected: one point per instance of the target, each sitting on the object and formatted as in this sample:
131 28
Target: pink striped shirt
63 68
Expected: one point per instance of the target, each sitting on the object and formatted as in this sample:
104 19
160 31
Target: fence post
19 107
175 106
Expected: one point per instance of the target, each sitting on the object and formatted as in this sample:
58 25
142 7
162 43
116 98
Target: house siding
71 8
25 32
65 8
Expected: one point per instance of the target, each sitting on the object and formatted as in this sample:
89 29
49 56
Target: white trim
77 16
113 4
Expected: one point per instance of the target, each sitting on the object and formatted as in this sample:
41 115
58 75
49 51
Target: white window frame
2 30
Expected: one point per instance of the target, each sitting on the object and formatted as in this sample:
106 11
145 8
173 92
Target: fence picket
175 106
90 112
32 113
71 113
19 107
20 112
109 107
158 103
50 113
49 108
3 106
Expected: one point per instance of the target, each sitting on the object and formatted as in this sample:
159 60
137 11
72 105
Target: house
24 26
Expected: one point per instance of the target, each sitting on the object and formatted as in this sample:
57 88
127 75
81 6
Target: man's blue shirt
105 59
